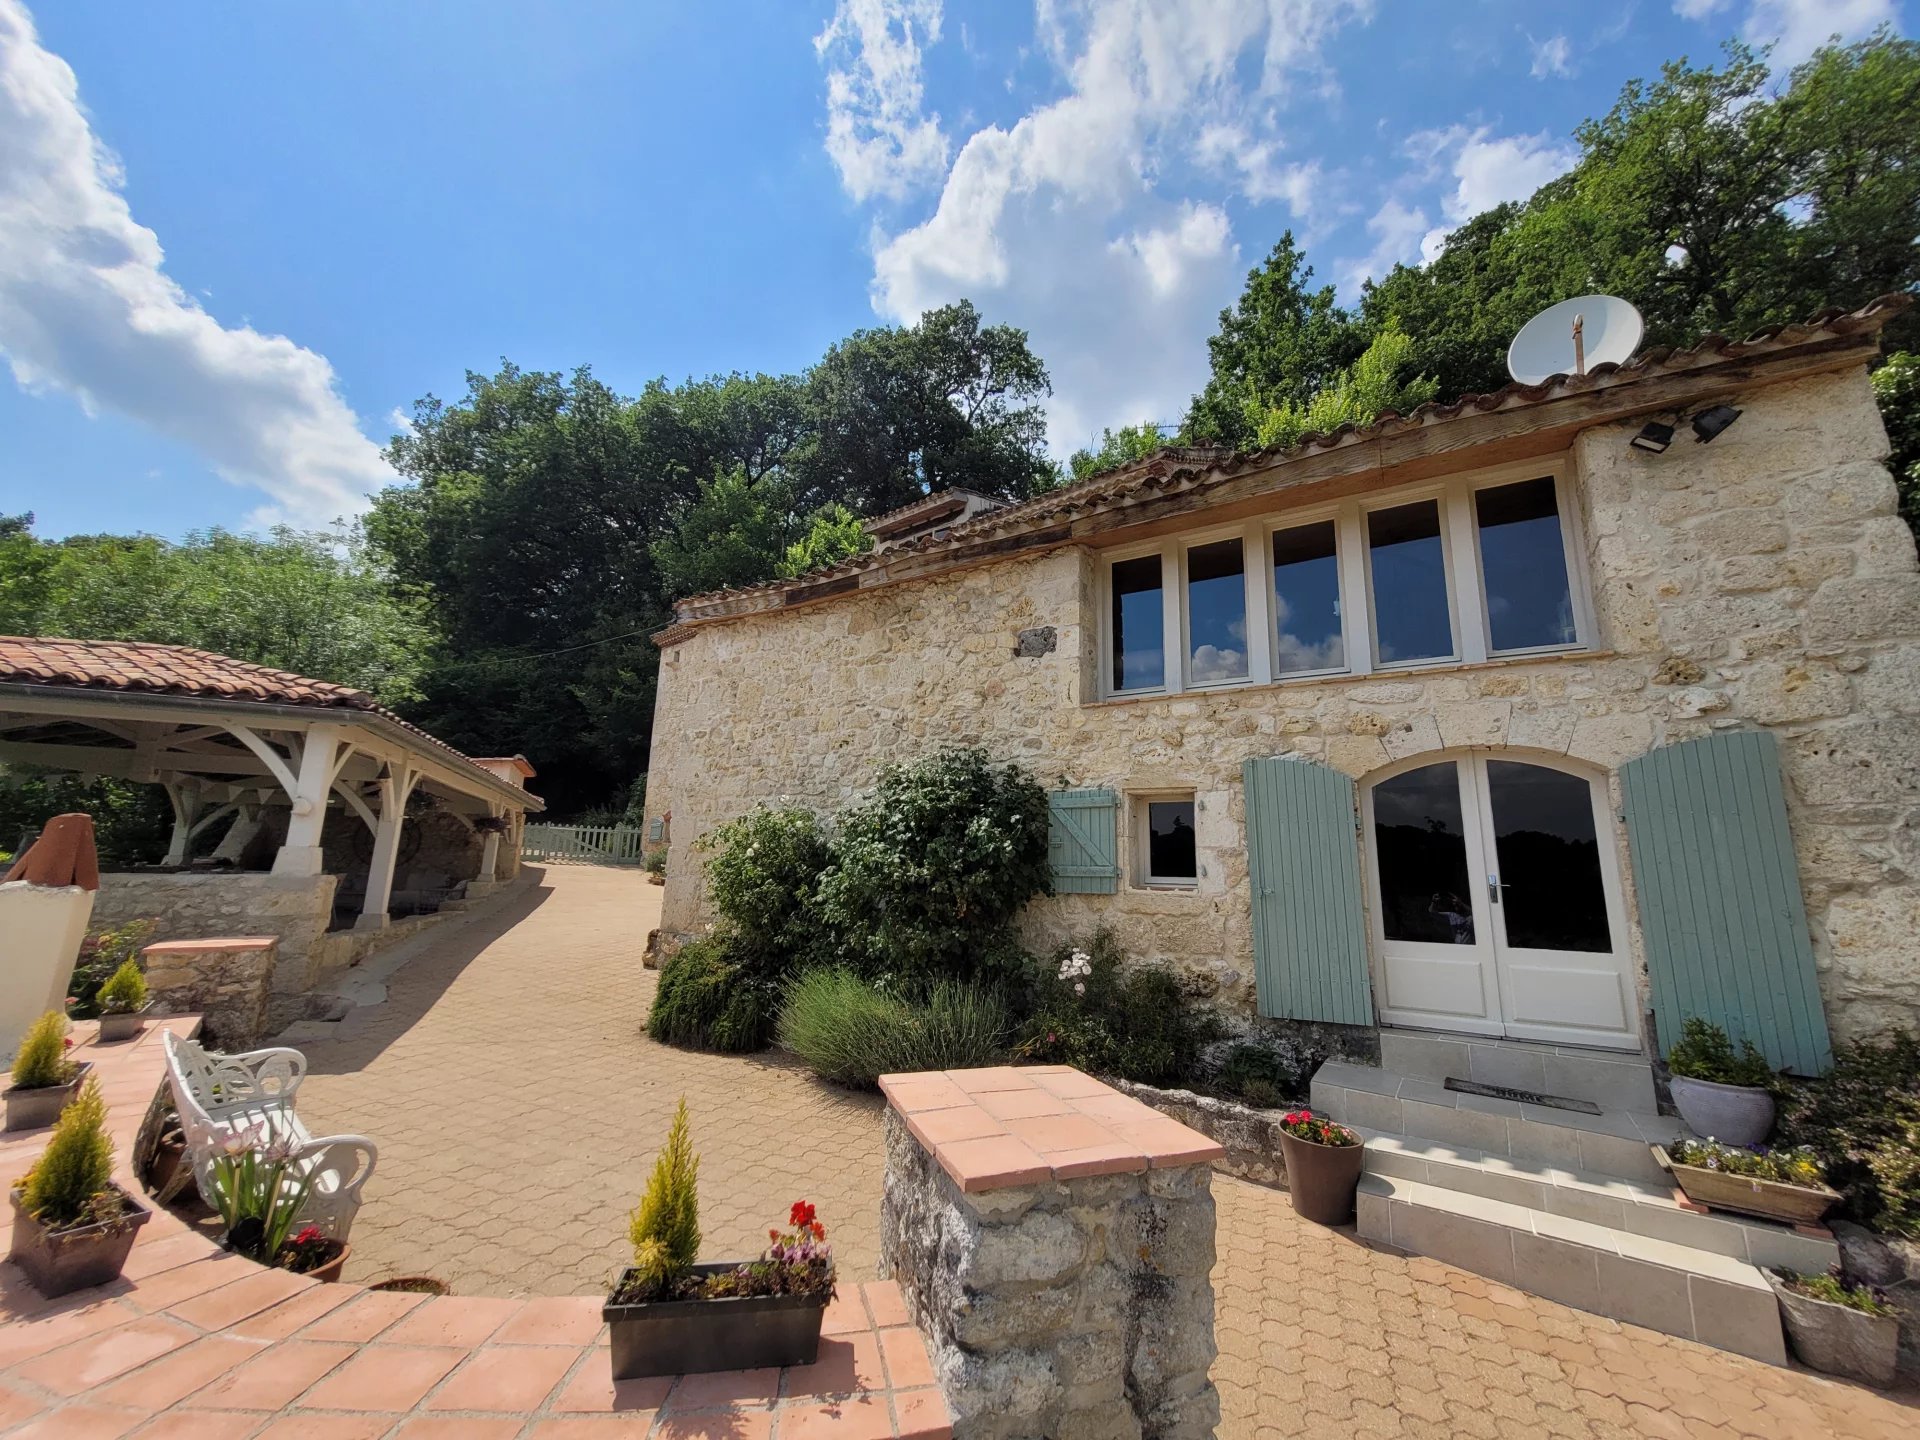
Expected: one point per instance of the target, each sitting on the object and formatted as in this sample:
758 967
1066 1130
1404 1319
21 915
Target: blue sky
236 240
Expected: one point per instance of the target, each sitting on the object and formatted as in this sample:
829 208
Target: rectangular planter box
37 1108
122 1024
690 1337
61 1261
1746 1195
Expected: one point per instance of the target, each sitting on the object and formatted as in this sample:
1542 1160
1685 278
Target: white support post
246 825
483 883
301 854
395 788
185 797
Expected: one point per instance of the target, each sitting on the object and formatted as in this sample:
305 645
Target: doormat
1523 1097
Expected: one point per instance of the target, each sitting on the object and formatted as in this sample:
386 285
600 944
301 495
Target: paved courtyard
517 1103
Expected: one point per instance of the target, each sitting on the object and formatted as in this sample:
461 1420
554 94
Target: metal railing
583 844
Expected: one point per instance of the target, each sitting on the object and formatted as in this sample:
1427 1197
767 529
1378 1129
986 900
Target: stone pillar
1054 1241
227 981
45 904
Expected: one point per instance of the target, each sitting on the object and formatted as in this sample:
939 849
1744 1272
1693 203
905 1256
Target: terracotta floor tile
292 1315
180 1424
847 1365
176 1376
863 1417
553 1320
716 1425
17 1405
384 1377
846 1315
364 1317
722 1388
76 1368
616 1427
923 1415
465 1321
276 1377
249 1295
884 1303
81 1422
22 1339
151 1258
465 1428
506 1377
593 1390
183 1282
906 1355
327 1427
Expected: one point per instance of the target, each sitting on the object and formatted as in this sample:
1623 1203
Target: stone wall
227 981
1762 580
294 909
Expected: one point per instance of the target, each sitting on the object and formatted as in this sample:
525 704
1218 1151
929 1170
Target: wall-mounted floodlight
1653 437
1709 423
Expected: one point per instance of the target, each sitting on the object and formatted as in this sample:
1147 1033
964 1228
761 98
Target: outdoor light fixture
1653 437
1709 423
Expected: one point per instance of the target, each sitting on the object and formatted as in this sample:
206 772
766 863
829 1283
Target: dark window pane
1139 660
1549 859
1410 619
1524 561
1422 844
1306 598
1170 850
1217 612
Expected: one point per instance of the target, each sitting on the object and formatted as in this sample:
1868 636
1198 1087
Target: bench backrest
208 1086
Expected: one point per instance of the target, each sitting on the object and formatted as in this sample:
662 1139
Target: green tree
834 534
1116 448
1896 385
1378 381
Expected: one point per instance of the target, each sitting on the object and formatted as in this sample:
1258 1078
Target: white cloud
876 136
1065 223
1796 28
87 310
1484 169
1396 230
1551 56
1698 9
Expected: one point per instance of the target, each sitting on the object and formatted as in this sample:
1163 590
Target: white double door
1496 902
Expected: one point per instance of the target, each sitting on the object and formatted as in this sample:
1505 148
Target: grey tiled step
1671 1288
1615 1082
1630 1205
1613 1143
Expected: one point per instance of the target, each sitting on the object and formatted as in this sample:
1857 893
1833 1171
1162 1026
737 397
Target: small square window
1166 851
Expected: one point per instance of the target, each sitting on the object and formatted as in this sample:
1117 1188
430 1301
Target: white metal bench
220 1095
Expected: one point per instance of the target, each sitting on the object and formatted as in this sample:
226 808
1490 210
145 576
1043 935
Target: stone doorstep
1637 1208
1619 1081
1614 1143
1636 1279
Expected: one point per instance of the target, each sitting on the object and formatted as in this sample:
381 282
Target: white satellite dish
1574 336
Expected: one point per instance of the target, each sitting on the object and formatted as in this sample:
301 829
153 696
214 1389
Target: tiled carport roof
139 667
1629 386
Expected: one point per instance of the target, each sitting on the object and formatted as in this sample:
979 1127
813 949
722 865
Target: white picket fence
583 844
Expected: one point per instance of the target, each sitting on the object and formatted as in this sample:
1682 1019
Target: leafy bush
69 1181
665 1228
102 954
1100 1015
765 868
654 862
1704 1052
928 875
1258 1075
42 1060
852 1031
708 999
125 991
1862 1118
1836 1291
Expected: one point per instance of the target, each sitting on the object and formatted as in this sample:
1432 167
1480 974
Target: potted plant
1323 1160
668 1315
1718 1092
1837 1327
124 1002
72 1226
1785 1185
654 862
44 1079
413 1285
258 1194
311 1253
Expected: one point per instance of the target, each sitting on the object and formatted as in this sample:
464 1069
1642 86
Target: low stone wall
228 981
294 909
1063 1284
1250 1137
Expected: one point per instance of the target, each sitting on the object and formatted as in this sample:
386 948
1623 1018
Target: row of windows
1459 572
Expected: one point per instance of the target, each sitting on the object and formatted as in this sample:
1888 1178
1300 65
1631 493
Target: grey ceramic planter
1838 1340
39 1107
117 1025
1731 1114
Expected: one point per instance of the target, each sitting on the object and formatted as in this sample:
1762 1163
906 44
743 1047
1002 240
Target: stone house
1498 719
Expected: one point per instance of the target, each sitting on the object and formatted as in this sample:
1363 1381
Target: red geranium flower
801 1216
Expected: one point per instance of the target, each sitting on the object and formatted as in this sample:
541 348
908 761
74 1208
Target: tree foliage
1374 383
1896 385
1117 448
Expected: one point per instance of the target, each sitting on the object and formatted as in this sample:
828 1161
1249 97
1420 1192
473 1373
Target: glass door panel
1420 832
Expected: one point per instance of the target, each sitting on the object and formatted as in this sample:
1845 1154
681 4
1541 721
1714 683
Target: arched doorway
1496 901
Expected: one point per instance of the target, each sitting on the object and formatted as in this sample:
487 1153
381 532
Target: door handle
1493 889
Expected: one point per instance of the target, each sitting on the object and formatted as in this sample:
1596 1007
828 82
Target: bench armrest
348 1158
270 1075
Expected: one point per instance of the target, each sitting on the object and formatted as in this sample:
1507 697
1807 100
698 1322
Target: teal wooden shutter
1720 904
1083 841
1303 859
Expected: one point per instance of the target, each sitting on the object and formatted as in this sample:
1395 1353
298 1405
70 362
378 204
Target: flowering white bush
1076 967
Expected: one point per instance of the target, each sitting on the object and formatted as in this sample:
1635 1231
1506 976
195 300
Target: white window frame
1140 833
1460 548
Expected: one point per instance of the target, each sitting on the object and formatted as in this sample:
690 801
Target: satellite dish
1574 336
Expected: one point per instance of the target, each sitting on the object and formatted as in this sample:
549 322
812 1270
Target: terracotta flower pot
413 1285
329 1273
41 1106
1322 1179
61 1261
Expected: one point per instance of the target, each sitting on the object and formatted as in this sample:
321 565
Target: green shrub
665 1229
42 1058
125 991
708 999
1261 1076
1704 1052
1094 1012
66 1183
765 868
928 875
852 1031
1862 1119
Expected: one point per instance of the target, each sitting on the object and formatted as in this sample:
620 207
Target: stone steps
1614 1143
1675 1289
1614 1081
